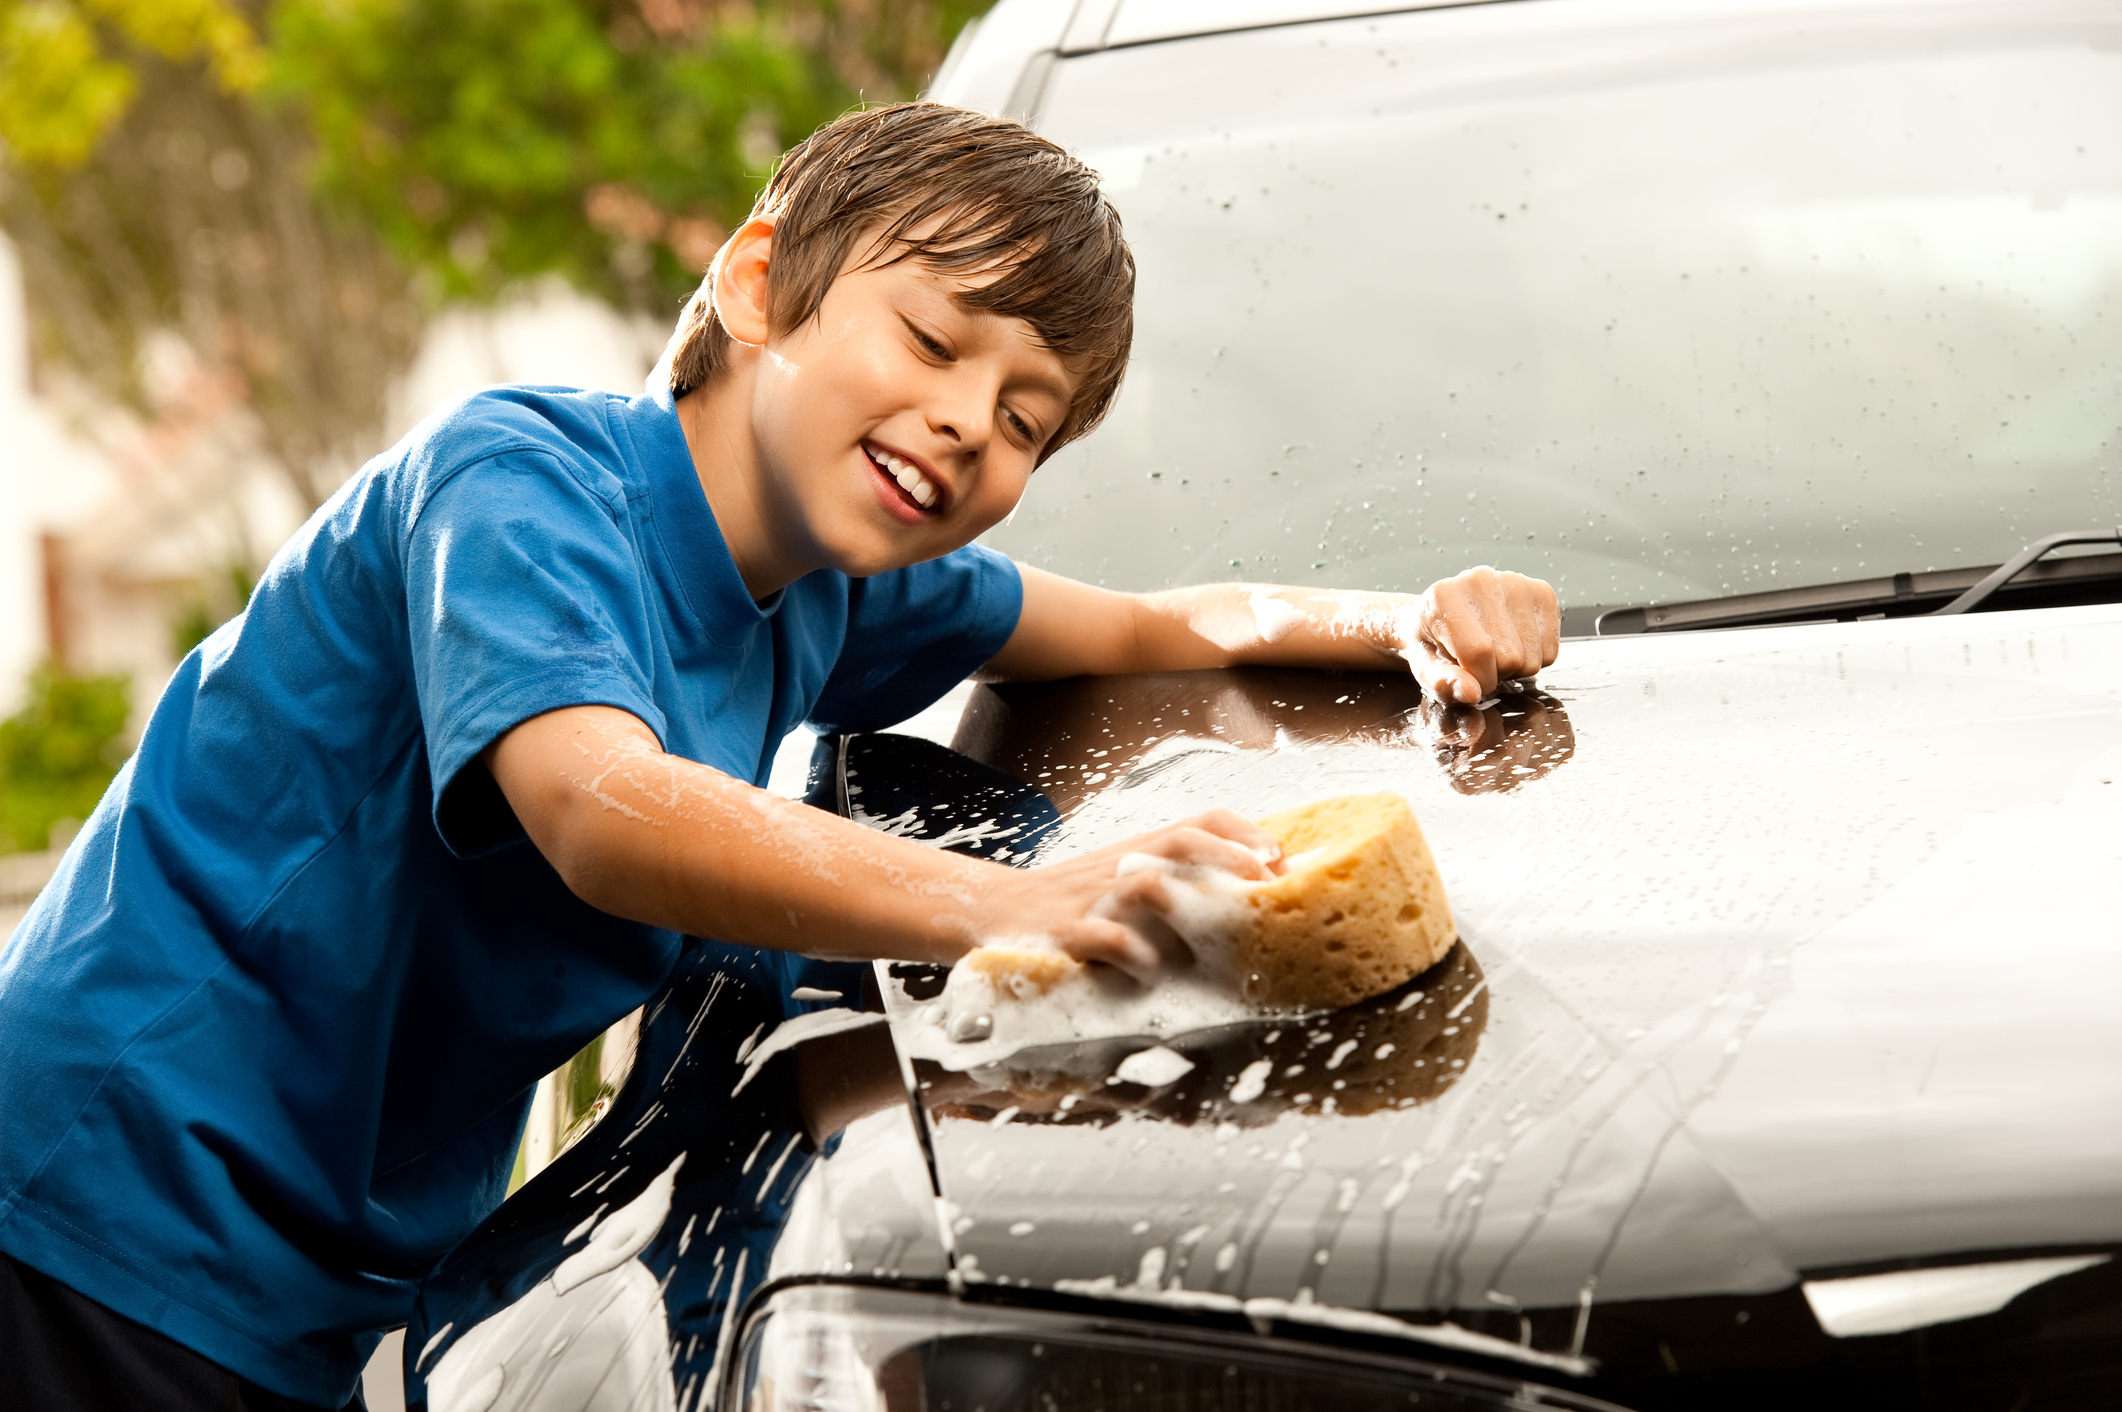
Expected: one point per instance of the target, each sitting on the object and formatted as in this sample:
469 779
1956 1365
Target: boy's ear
740 281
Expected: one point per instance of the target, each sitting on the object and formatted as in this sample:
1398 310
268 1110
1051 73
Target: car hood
1785 952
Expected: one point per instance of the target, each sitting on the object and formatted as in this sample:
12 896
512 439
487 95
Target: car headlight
851 1348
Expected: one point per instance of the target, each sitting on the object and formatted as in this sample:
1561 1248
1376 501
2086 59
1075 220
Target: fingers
1101 940
1134 923
1438 666
1550 610
1216 839
1141 903
1458 646
1117 907
1482 627
1531 607
1238 829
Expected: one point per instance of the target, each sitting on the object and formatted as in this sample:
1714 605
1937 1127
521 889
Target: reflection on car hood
1799 949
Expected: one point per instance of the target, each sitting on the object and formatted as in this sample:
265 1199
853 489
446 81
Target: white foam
1098 1002
1252 1081
1275 618
1264 1313
1106 1287
790 1033
623 1234
1094 1003
1153 1068
591 1337
1301 1310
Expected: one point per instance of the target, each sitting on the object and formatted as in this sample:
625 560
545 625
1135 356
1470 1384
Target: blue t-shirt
267 1039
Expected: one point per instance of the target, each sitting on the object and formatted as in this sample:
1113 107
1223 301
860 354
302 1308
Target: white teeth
910 480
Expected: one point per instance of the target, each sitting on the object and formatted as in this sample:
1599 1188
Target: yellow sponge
1360 910
1023 974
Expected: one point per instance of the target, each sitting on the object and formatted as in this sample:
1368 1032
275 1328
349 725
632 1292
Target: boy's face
899 424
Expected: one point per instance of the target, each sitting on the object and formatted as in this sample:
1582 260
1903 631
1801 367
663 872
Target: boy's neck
717 421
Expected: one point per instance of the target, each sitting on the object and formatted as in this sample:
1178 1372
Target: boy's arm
664 840
1461 637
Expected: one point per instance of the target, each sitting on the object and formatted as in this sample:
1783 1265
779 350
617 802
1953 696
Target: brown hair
1009 201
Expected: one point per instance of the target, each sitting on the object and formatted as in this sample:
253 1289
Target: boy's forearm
1074 629
663 840
1460 638
1251 624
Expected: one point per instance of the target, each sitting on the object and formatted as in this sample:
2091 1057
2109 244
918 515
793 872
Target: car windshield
1658 302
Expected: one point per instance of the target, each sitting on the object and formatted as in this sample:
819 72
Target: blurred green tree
58 752
60 93
614 142
295 188
150 190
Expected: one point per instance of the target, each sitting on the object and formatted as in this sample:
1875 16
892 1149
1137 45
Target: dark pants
62 1352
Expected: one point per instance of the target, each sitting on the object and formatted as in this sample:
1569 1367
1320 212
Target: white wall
549 333
47 475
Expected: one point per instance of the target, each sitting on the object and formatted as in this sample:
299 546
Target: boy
445 801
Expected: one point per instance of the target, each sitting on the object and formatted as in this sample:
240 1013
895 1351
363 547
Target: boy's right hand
655 838
1093 912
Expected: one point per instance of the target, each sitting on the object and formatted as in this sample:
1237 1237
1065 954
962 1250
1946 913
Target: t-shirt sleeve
523 595
914 633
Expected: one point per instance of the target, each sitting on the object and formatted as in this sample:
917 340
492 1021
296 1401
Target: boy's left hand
1473 630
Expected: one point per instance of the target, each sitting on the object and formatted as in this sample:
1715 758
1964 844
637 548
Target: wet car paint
1800 956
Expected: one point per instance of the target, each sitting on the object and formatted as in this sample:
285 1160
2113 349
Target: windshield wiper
1901 595
2024 559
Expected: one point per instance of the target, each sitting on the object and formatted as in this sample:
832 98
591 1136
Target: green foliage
293 197
57 94
582 1088
58 753
65 78
491 140
194 215
580 1098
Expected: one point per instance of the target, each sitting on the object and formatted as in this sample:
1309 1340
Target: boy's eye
931 346
1027 430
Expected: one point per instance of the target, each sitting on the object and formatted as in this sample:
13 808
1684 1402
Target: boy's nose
963 411
968 430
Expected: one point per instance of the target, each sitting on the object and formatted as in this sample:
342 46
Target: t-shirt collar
684 522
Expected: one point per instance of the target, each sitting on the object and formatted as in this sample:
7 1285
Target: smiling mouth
917 487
